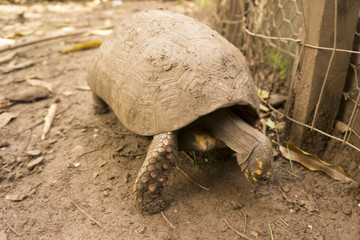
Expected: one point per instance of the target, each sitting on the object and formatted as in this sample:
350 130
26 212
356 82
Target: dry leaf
39 83
83 46
48 120
8 57
6 117
313 162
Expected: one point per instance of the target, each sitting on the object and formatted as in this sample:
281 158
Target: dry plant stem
245 221
168 222
236 231
112 158
186 175
284 222
38 123
87 215
188 157
281 227
12 229
19 45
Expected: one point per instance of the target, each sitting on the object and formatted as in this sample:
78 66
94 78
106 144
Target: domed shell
160 71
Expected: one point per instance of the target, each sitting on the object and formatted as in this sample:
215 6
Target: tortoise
168 76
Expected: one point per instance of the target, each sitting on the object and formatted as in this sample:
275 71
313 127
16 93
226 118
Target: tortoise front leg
154 173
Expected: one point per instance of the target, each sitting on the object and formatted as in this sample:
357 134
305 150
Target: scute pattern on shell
160 71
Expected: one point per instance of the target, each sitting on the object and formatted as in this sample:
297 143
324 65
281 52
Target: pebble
142 230
347 211
33 153
35 162
285 189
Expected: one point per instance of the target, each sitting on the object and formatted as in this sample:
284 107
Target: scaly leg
154 173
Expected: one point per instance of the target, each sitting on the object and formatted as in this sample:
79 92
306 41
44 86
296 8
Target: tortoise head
258 166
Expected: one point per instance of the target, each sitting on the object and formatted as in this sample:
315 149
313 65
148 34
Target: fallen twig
236 231
87 215
48 120
38 123
12 229
170 224
284 222
91 151
18 66
186 175
19 45
245 221
112 158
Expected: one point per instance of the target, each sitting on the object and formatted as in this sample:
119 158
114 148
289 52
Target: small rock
33 153
102 164
126 178
15 197
255 234
318 236
347 211
142 230
95 175
106 193
35 162
73 165
236 205
285 189
111 178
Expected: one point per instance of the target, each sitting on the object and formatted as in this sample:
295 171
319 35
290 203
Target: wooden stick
87 215
170 224
236 231
19 45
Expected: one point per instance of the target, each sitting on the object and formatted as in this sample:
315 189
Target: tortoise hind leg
154 173
99 105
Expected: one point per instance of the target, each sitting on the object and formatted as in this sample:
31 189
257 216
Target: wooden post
318 30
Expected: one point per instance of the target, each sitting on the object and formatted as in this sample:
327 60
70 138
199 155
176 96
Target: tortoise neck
233 131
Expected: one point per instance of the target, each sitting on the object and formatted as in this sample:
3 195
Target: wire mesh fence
273 36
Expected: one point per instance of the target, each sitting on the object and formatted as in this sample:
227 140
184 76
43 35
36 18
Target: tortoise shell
159 71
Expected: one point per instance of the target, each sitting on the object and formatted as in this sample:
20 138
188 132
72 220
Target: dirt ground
81 186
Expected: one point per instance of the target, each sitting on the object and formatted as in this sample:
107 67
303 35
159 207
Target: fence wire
270 33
